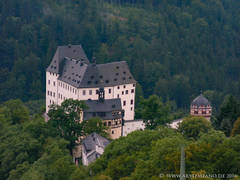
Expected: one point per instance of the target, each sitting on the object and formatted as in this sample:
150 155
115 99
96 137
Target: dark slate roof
73 67
94 139
200 101
71 51
95 108
72 71
105 106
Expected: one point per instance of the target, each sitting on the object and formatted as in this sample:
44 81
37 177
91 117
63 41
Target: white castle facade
71 75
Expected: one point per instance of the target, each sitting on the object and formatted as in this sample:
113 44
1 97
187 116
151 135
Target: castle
106 88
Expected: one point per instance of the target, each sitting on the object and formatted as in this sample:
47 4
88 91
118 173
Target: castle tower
200 106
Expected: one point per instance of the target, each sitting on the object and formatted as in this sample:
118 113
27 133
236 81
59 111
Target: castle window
195 112
133 85
48 92
131 101
124 86
96 91
53 83
116 122
131 108
118 87
50 101
90 92
122 92
48 81
84 92
203 112
54 94
107 81
124 103
58 95
109 123
132 91
126 92
70 88
112 132
109 91
118 95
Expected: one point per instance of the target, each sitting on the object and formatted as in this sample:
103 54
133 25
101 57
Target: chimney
94 61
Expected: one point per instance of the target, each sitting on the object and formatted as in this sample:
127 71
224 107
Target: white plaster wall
93 96
51 89
120 91
84 157
175 124
114 93
66 91
132 126
99 149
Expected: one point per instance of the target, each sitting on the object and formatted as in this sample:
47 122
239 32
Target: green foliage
154 112
236 128
66 119
95 125
122 166
15 111
192 127
33 150
229 112
80 173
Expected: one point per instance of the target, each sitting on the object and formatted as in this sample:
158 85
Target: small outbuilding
93 147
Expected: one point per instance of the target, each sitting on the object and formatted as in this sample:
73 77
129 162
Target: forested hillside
174 48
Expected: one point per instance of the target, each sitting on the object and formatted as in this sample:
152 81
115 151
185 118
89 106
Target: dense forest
174 48
30 148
